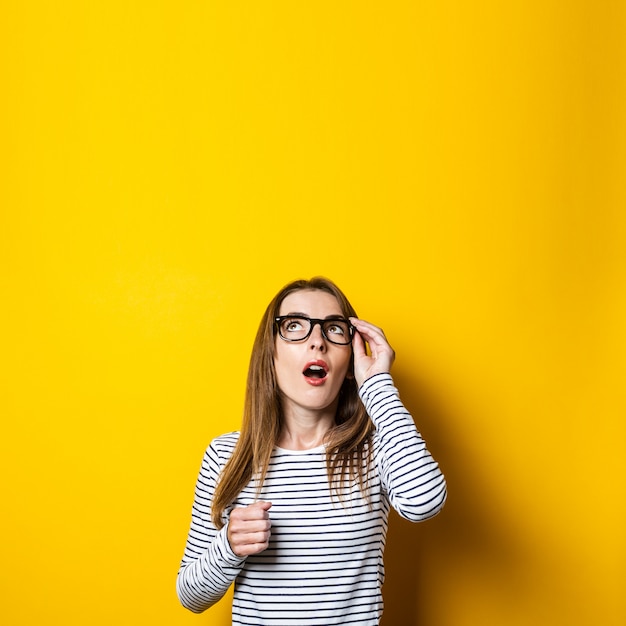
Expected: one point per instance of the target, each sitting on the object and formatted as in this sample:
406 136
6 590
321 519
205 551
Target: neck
303 432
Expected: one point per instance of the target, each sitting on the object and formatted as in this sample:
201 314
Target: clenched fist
249 528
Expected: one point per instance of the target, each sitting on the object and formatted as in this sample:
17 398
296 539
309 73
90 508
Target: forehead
311 302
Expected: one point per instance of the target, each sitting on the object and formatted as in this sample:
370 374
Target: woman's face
310 372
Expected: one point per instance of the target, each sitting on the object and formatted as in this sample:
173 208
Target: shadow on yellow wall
465 533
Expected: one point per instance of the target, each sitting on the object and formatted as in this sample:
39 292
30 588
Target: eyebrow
334 316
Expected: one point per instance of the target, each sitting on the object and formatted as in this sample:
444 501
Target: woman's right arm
209 565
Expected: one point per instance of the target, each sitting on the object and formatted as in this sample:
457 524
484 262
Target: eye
335 329
292 325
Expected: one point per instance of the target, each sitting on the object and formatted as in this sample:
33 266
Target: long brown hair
347 443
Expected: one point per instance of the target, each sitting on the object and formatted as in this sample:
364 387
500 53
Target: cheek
346 366
284 368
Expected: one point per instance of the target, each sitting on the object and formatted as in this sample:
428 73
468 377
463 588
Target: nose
317 339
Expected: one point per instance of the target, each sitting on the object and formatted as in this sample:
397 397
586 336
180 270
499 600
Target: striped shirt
324 563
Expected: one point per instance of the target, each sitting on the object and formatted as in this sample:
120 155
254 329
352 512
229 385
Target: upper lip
319 363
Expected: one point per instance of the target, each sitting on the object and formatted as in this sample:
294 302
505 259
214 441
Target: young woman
293 508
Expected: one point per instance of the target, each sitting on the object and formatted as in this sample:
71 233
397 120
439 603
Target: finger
358 345
247 539
374 336
258 510
251 548
249 543
368 329
239 525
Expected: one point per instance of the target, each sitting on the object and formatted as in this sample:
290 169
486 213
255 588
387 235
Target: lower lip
315 382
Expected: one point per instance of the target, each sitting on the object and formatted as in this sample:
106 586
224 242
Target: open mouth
315 371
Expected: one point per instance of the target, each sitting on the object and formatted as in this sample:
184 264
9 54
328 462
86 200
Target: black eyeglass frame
313 321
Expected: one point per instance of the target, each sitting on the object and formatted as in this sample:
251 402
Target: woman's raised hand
249 528
381 355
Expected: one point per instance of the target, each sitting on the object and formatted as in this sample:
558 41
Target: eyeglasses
337 330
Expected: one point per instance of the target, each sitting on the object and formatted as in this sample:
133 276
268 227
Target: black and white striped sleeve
411 477
209 565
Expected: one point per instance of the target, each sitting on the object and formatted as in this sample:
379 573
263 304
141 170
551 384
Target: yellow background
456 167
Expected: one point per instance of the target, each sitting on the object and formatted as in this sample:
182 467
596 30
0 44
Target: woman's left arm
410 475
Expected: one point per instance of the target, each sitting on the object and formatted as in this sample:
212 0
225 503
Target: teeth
317 368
